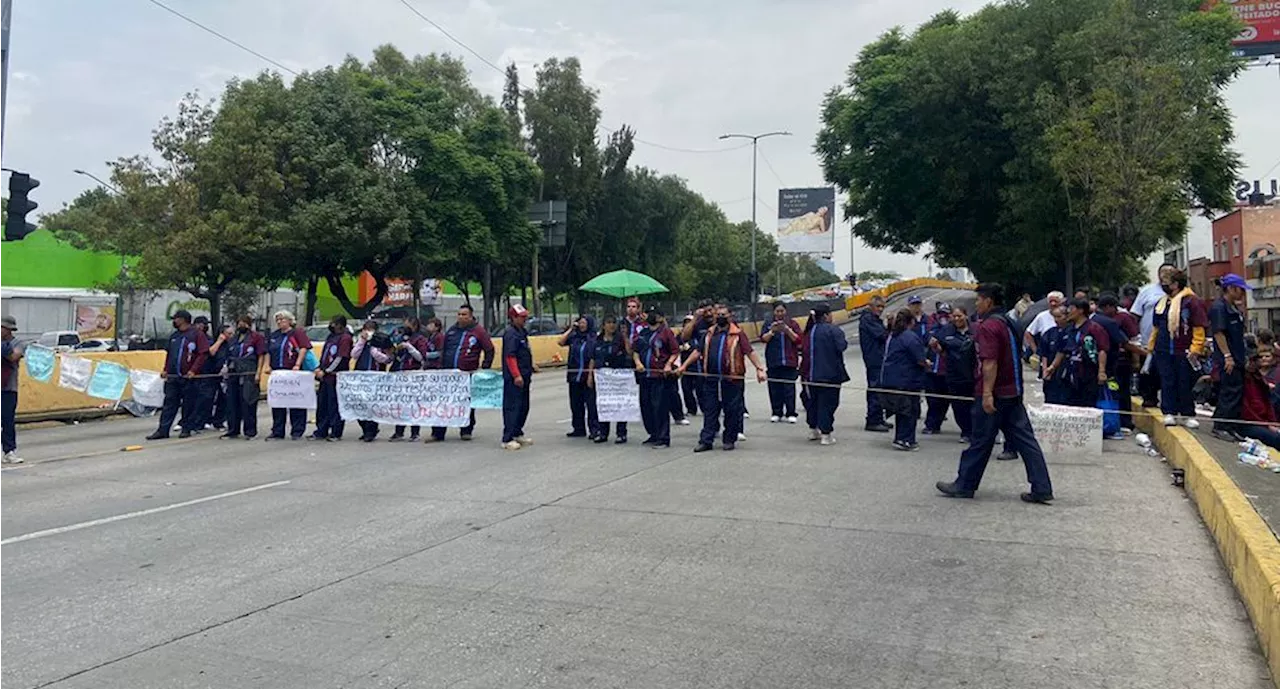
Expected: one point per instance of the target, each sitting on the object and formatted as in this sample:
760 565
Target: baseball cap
944 307
914 299
9 322
202 320
1233 280
517 311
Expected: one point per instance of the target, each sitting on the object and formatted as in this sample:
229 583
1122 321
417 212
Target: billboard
94 321
1261 35
400 291
806 219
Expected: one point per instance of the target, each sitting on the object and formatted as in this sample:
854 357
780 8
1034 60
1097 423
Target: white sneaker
814 434
791 419
1169 420
11 457
742 437
523 441
827 440
684 422
774 419
512 445
1191 423
746 414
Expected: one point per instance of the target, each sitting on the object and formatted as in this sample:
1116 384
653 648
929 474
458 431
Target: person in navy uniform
906 363
409 354
1048 343
209 384
688 384
955 343
1082 356
724 351
183 360
822 366
580 339
654 352
369 353
287 346
220 353
782 354
517 375
936 377
611 351
246 362
433 352
1226 322
872 336
334 357
467 347
999 406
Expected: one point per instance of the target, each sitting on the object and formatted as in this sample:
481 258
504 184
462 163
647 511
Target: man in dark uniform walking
872 336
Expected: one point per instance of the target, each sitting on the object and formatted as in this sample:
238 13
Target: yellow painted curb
1248 547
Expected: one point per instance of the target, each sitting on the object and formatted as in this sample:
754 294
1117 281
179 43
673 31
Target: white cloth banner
74 372
291 390
1064 430
407 398
148 387
617 395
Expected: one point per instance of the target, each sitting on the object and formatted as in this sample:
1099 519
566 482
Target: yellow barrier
858 301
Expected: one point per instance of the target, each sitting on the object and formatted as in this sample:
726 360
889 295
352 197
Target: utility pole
6 11
754 279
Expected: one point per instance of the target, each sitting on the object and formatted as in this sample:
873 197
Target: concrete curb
1249 549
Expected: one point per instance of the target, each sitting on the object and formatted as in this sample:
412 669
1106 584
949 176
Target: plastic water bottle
1251 460
1143 439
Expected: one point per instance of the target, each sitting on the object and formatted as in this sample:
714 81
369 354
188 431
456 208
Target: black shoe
464 436
1007 456
601 439
575 434
659 446
295 437
702 447
622 440
730 447
250 437
229 436
218 426
1227 435
185 434
274 437
317 437
368 438
1037 498
930 431
648 441
396 437
158 436
878 428
950 490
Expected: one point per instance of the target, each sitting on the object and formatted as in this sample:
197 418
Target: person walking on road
246 364
654 352
822 366
1226 317
1178 344
334 357
369 353
905 371
955 343
287 346
580 339
9 361
409 354
723 351
611 352
517 375
467 347
184 359
872 336
782 354
999 405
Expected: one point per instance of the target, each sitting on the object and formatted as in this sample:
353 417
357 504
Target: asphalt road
211 563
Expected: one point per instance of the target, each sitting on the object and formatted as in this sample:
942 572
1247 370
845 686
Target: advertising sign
94 322
400 291
806 219
1261 35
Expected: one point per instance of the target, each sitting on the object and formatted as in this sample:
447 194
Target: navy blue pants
782 390
515 408
653 409
875 412
689 388
438 432
1230 397
242 406
962 408
1264 434
329 423
937 406
9 406
1011 419
674 406
1177 384
179 393
906 413
296 418
721 395
820 410
582 408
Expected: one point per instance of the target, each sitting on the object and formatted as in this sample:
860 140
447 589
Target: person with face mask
872 336
782 354
822 366
611 352
334 357
209 384
409 354
954 342
221 349
1177 343
433 355
1083 355
1144 307
654 352
688 384
246 363
580 339
184 359
369 353
517 375
467 347
936 376
724 351
287 347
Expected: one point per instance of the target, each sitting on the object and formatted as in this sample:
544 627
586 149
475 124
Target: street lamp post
97 179
124 270
755 142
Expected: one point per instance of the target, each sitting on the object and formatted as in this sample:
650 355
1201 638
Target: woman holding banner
369 354
610 352
246 362
286 348
409 354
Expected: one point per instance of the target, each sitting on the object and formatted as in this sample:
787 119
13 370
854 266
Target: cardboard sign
1064 430
74 372
291 390
486 390
617 395
148 387
406 398
108 381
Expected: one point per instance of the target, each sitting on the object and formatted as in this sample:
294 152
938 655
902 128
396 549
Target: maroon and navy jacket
656 346
186 352
781 351
285 346
336 355
433 355
411 356
464 346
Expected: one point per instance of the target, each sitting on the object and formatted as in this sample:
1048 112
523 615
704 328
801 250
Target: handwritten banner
108 381
486 390
291 390
1065 430
409 398
74 372
39 363
148 387
617 395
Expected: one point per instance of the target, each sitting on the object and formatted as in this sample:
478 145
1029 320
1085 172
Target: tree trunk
362 311
1069 274
313 284
215 309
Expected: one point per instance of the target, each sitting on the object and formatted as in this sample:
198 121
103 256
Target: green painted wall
40 260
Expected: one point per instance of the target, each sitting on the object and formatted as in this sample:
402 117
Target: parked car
543 326
60 340
319 333
107 345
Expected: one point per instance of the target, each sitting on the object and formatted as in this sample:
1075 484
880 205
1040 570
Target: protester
724 350
433 352
611 352
936 375
334 357
1049 344
13 352
781 354
920 322
822 366
872 336
635 319
1226 317
408 354
1177 342
580 339
998 389
688 384
1256 405
209 382
467 347
654 356
517 375
954 342
370 353
287 346
221 354
1042 323
1082 356
183 361
906 362
246 363
1125 352
1144 308
671 384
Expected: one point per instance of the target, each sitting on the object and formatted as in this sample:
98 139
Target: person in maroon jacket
334 357
183 359
409 354
654 352
286 348
433 354
782 354
246 362
464 345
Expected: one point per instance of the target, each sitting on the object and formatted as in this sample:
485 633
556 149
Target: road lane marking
141 513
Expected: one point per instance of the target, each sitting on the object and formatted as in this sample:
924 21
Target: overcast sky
89 80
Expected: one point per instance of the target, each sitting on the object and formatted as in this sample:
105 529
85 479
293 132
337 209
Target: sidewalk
1260 486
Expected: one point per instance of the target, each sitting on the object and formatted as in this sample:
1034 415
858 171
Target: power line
770 166
224 37
453 38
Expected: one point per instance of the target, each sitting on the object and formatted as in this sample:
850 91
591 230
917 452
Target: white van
60 340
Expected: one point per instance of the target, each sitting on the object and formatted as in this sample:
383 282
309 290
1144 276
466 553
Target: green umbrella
622 284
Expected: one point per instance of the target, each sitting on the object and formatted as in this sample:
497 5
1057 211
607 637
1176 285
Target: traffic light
15 222
753 284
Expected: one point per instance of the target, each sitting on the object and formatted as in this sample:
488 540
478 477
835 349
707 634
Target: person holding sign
334 357
611 351
409 354
369 354
246 362
183 359
653 353
517 374
1000 407
287 347
724 350
9 390
464 344
580 338
782 352
433 352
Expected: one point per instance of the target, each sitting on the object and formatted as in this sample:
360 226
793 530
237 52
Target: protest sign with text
291 390
1067 430
617 395
407 398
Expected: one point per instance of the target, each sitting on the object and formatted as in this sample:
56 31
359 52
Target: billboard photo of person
806 219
